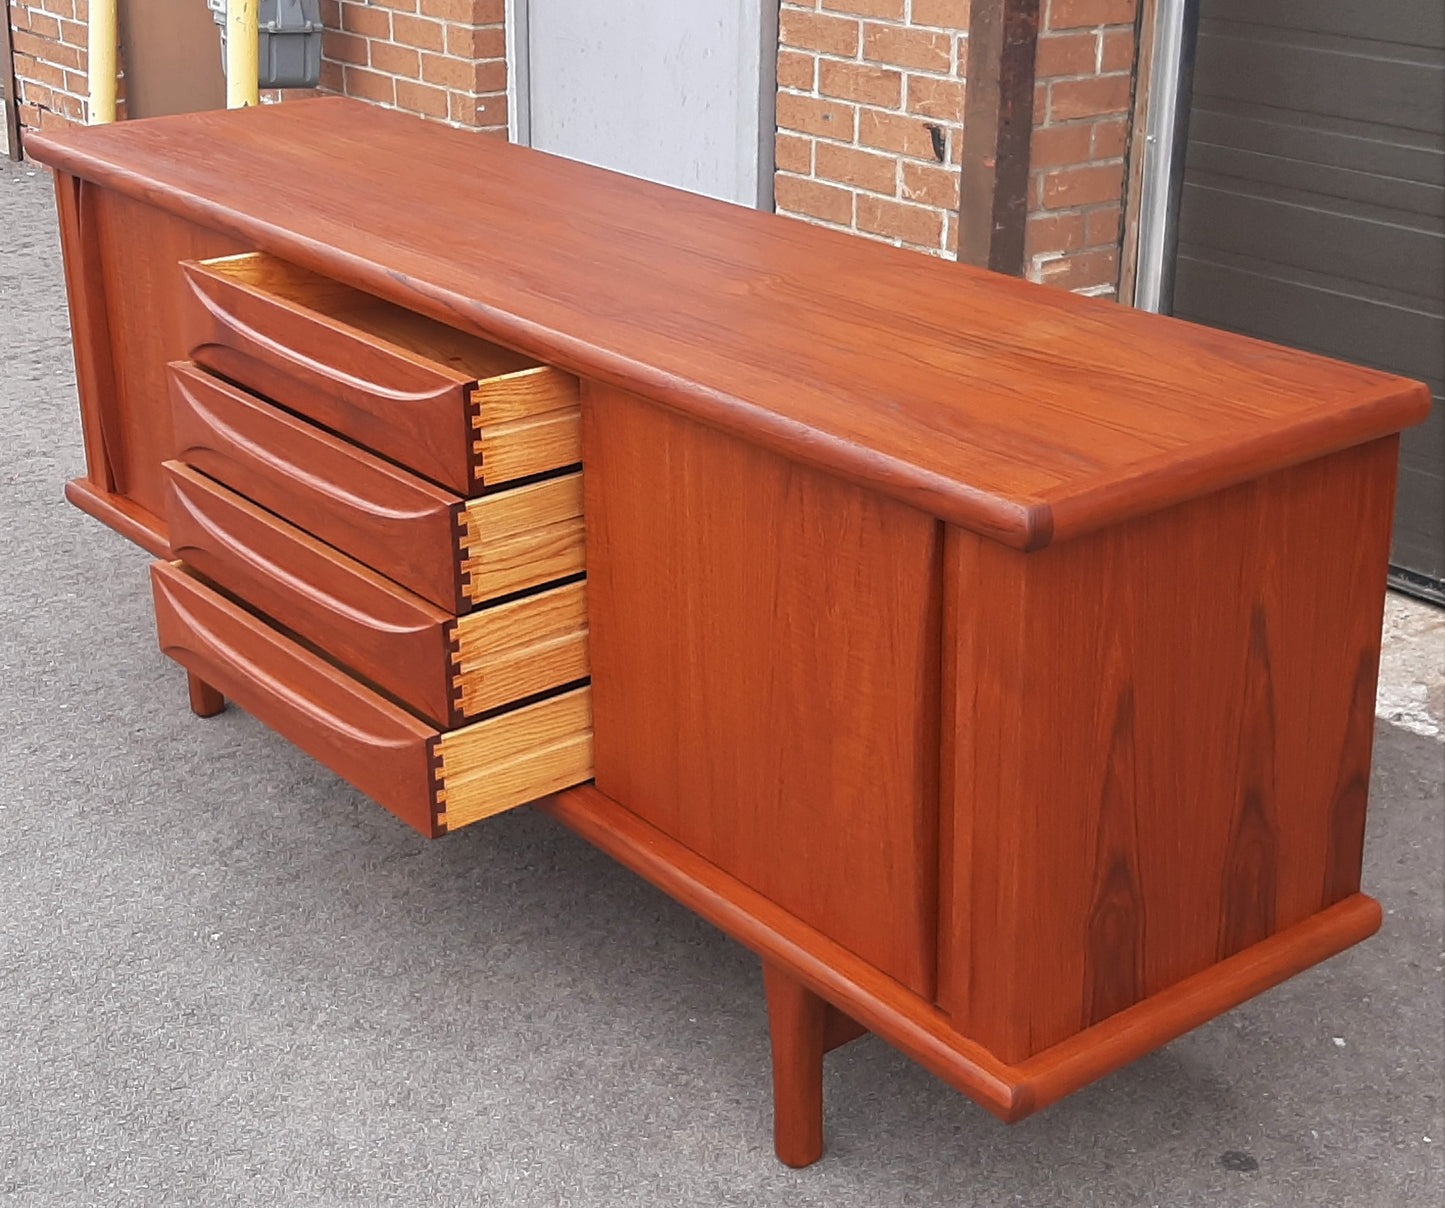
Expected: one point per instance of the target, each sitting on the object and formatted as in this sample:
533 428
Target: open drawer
458 553
447 668
450 406
434 780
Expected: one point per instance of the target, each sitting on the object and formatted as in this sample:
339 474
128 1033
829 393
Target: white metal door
676 91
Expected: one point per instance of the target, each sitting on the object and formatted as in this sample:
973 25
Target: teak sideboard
997 664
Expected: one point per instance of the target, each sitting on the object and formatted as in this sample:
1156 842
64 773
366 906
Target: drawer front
450 406
434 781
371 743
456 554
396 523
446 668
390 636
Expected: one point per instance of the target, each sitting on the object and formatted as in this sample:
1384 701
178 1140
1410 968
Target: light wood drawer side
523 537
507 760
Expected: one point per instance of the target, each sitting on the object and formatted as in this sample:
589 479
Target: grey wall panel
1313 211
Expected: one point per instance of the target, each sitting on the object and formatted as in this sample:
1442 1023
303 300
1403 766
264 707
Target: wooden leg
205 700
798 1020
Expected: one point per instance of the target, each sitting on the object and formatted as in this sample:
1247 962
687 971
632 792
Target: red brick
816 200
1089 98
918 48
365 20
859 169
492 112
418 32
1083 186
793 153
448 72
395 60
1047 233
484 42
370 85
331 76
75 34
1118 52
1111 138
421 98
826 119
950 235
1101 226
796 70
345 48
71 107
1070 14
43 25
491 76
813 31
931 185
942 99
1066 55
888 9
1082 270
41 72
1055 146
859 82
402 6
32 93
942 14
331 13
898 220
895 132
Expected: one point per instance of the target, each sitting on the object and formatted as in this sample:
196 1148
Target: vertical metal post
1171 88
100 57
243 64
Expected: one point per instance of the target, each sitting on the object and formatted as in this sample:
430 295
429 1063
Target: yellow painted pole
100 61
243 51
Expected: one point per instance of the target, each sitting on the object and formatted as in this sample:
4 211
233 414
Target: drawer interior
381 322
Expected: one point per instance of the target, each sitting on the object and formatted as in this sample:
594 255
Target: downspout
1176 34
243 51
100 58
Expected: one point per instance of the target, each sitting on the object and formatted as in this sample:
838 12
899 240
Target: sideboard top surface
1022 412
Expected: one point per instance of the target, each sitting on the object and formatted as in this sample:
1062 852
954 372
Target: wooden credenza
998 664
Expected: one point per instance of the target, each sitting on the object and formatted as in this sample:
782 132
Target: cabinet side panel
1160 744
139 248
765 673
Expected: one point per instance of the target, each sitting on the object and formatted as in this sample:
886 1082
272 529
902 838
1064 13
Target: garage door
1313 210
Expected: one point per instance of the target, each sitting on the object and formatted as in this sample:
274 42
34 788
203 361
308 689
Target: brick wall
49 39
444 59
870 117
1082 100
870 108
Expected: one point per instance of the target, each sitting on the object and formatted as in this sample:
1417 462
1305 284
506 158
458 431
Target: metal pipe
100 62
243 61
1176 35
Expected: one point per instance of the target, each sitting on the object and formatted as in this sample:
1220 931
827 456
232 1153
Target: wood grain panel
517 649
322 349
393 521
374 745
765 665
389 636
1014 410
519 538
515 757
89 329
1157 744
143 293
